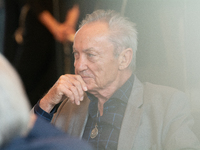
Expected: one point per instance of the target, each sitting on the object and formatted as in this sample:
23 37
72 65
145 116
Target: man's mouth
85 77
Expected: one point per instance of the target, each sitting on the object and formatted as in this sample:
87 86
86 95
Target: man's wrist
42 113
45 105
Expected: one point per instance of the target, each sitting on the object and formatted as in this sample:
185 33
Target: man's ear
125 58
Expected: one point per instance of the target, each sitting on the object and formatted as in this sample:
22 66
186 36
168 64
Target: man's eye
75 54
91 55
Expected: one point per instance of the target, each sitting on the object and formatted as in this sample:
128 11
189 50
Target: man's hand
68 86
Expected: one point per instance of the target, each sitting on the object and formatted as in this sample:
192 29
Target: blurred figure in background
18 128
2 16
35 56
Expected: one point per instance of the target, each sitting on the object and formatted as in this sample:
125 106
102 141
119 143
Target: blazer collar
132 117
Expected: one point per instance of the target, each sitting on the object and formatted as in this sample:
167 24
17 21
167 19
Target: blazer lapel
132 117
72 118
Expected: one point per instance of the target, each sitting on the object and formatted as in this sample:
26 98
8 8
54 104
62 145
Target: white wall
169 43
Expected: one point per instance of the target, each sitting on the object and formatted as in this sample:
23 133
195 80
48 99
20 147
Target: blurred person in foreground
20 130
105 103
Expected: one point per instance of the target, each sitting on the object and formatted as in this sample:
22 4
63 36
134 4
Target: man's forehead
91 35
94 28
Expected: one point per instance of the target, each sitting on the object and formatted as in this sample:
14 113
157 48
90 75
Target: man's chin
90 86
87 80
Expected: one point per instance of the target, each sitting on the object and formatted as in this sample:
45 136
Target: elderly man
104 102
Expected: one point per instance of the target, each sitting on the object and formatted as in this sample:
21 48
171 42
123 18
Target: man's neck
104 94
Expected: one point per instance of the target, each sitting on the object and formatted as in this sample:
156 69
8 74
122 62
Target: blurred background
168 40
2 17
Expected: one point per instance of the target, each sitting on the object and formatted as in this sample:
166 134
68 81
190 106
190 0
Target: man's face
94 57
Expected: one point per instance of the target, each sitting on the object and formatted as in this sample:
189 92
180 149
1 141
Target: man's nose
80 64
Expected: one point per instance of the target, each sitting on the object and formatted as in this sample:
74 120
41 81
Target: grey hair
14 106
123 33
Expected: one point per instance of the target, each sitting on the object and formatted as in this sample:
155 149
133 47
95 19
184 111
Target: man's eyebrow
73 50
89 49
85 50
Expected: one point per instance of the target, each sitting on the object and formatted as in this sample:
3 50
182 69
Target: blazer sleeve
168 115
178 122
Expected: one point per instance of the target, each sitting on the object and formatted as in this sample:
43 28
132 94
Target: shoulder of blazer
164 91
